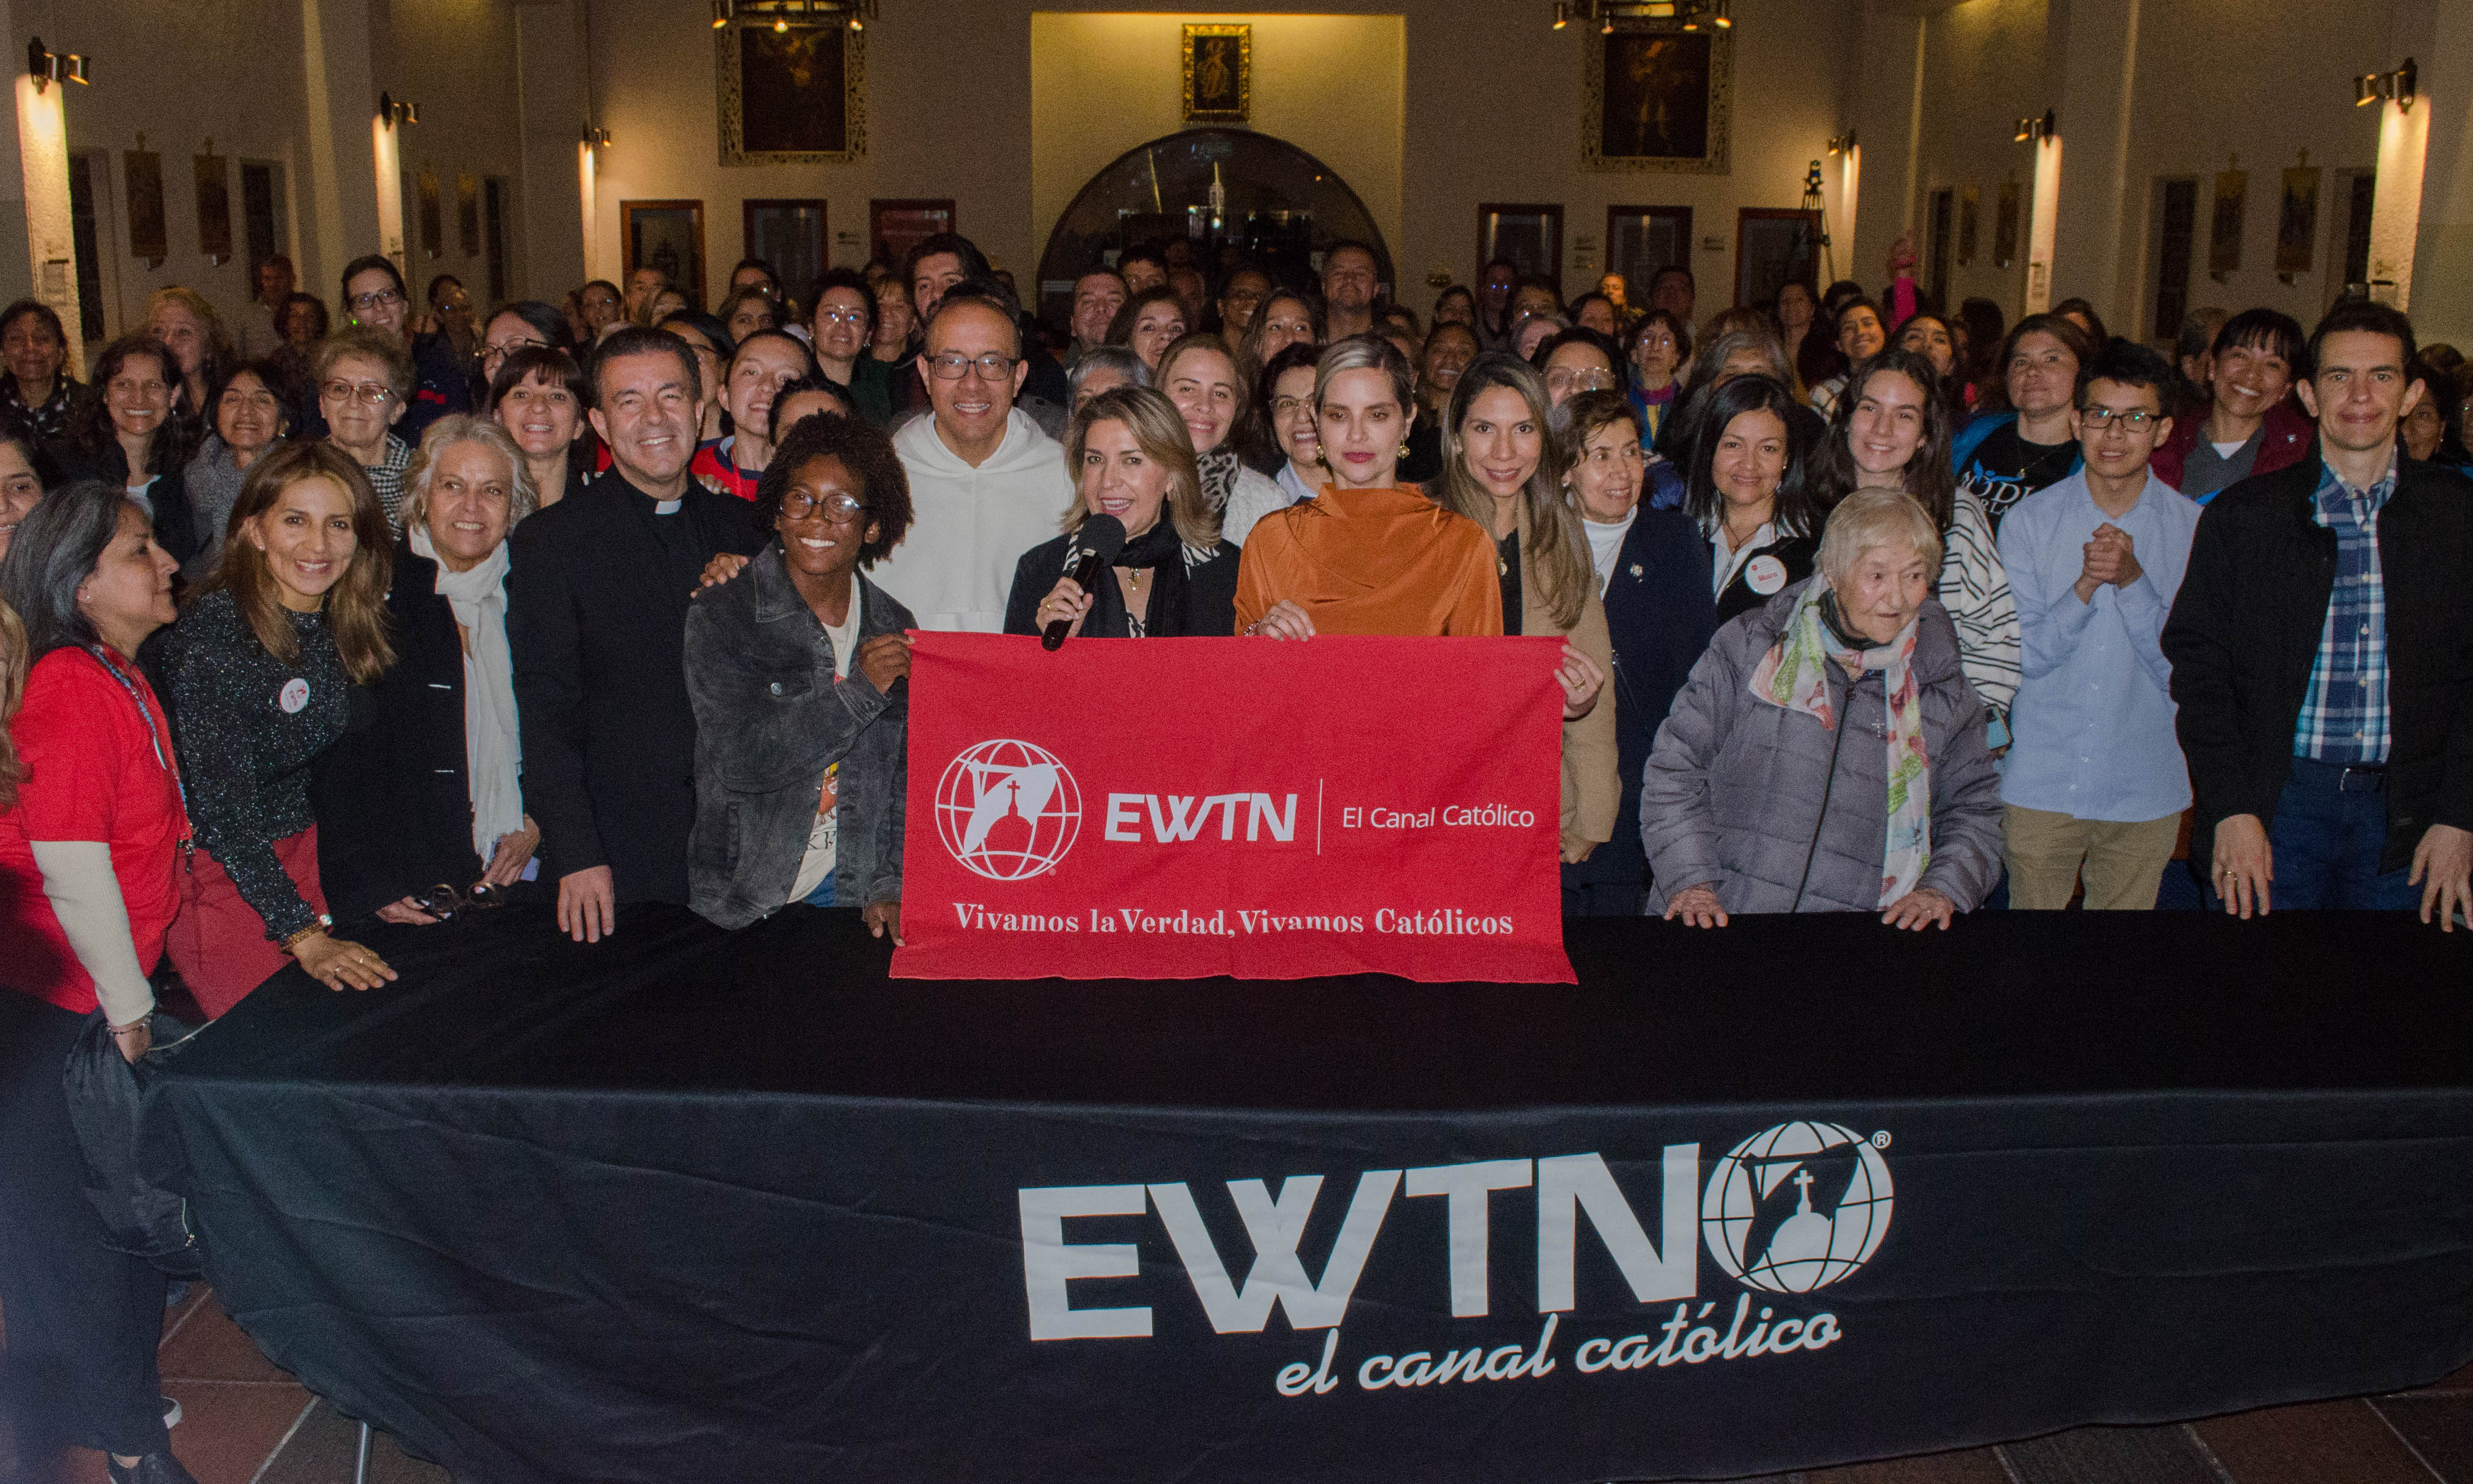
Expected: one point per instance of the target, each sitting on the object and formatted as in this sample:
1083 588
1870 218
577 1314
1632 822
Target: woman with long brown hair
127 434
258 669
1503 468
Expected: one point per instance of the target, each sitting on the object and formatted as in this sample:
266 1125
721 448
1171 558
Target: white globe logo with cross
1819 1243
1008 810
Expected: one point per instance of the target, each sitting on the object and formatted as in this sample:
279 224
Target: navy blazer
1659 616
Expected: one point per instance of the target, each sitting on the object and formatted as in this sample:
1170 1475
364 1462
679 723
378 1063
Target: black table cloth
688 1205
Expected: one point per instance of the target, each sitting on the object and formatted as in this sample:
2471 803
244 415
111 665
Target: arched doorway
1279 207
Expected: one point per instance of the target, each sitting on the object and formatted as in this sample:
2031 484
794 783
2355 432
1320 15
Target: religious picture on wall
2296 220
467 214
668 235
1773 248
1970 214
2232 204
1657 99
1219 73
146 237
790 236
2005 226
433 222
792 96
1529 237
214 206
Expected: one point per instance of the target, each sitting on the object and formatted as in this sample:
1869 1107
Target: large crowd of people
384 612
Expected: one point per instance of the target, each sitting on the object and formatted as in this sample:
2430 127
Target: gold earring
1403 448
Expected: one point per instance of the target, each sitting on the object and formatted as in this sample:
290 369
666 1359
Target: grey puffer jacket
769 718
1733 791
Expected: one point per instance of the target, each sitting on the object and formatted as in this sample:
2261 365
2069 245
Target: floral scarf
1794 675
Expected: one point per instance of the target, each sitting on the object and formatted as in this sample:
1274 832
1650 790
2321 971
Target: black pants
83 1321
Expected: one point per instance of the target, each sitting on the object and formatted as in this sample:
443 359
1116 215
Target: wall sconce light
47 67
2033 129
721 11
2399 85
596 138
1686 15
391 113
1843 144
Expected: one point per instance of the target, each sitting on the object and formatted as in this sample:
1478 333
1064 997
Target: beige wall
1333 85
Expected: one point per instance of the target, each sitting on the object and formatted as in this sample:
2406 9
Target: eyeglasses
510 348
841 316
378 299
1282 406
445 903
992 366
1579 381
368 392
841 508
2097 419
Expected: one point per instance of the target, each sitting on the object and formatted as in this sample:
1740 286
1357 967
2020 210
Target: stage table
694 1206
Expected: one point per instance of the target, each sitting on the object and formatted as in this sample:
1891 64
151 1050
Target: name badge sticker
295 697
1765 574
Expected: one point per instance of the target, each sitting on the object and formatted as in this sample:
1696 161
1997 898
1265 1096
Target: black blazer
1209 595
596 615
2244 636
1660 618
394 795
1797 552
175 521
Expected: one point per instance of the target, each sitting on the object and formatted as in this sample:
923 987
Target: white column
2395 207
51 250
386 159
2098 248
2043 227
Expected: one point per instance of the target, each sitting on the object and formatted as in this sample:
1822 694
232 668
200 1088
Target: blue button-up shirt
2344 712
2093 718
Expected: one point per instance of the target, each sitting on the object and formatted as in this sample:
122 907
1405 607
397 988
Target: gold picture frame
1218 68
1657 98
779 100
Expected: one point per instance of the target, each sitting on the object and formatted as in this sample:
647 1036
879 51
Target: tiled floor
247 1422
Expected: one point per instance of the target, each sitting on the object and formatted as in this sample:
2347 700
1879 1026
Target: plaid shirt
387 478
2344 712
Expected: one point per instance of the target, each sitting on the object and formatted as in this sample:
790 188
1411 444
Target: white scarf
493 752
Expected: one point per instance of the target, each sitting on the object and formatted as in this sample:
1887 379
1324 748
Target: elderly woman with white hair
420 805
1828 754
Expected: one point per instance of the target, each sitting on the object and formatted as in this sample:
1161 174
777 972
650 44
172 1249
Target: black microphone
1095 548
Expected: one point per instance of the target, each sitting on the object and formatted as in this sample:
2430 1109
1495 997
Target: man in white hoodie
986 484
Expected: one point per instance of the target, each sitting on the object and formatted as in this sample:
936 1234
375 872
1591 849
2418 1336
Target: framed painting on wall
668 235
1773 246
433 220
214 206
790 236
2005 226
1970 214
894 227
1657 98
2296 220
1218 67
467 213
793 96
146 237
2224 231
1531 237
1641 240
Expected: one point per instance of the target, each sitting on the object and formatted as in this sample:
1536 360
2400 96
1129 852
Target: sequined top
41 423
247 727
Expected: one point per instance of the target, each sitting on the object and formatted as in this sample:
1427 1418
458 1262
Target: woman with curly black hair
800 747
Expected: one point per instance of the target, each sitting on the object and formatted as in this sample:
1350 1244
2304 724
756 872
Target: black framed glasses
799 504
990 367
2098 418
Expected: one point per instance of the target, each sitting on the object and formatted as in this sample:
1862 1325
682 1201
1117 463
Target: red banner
1179 809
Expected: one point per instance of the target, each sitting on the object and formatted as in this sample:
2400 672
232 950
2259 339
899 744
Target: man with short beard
985 482
1097 295
598 593
1349 283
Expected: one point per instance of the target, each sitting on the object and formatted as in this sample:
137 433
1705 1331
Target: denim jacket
769 718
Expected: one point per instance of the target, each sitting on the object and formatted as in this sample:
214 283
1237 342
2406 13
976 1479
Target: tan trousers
2121 864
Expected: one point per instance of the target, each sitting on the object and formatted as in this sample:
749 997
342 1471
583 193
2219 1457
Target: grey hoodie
1732 796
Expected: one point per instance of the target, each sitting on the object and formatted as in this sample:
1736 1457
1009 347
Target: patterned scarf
1217 469
1794 675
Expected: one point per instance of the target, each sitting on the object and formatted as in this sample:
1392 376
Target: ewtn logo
1008 810
1788 1210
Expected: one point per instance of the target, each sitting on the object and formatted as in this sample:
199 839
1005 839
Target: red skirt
219 943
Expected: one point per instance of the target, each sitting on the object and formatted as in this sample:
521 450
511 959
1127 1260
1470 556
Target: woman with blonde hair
188 326
1503 468
420 803
1365 555
1132 458
259 669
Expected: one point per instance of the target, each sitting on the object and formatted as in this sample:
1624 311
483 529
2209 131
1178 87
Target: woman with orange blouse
1366 556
